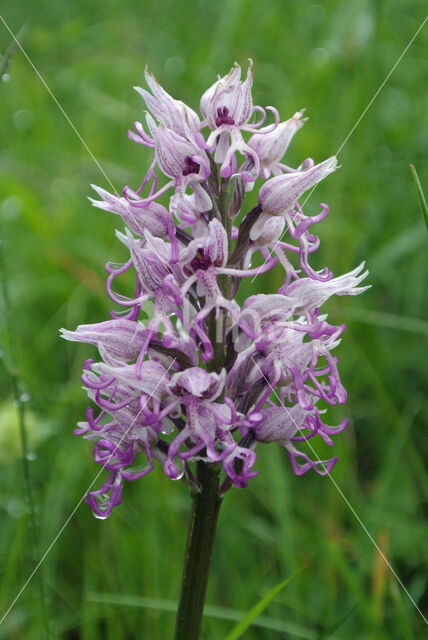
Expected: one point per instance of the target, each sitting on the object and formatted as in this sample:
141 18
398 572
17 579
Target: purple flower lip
190 166
201 377
201 261
229 99
223 117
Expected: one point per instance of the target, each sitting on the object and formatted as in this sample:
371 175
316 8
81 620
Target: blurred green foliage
119 579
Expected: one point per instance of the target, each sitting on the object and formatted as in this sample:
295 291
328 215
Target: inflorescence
204 378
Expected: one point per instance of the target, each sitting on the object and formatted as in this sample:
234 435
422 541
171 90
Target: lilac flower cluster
204 378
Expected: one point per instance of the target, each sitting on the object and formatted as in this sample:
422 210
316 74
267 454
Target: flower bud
228 101
278 195
272 146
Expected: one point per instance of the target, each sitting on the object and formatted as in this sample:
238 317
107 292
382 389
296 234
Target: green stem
200 542
223 206
19 403
216 336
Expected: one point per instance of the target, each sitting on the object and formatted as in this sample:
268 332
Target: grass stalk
19 402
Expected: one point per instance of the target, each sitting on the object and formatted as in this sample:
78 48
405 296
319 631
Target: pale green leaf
421 196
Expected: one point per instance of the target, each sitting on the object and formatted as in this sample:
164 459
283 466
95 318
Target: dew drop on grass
174 66
23 119
11 207
15 508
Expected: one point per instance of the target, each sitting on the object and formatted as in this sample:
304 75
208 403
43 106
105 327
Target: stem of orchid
200 542
207 501
217 318
216 336
223 200
223 206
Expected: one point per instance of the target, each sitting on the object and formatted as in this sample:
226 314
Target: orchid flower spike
184 373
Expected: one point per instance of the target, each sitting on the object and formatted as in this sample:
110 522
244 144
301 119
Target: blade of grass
20 400
220 613
404 619
380 578
389 320
421 196
11 50
258 608
394 415
327 633
11 566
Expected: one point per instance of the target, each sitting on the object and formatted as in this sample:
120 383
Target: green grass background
119 578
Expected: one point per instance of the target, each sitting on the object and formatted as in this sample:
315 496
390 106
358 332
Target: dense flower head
204 378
